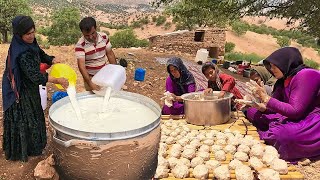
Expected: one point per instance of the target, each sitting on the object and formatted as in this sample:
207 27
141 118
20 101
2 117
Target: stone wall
184 41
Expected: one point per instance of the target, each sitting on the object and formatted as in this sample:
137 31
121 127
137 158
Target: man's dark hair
207 66
87 23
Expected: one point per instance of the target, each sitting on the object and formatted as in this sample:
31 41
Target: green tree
201 13
65 28
8 10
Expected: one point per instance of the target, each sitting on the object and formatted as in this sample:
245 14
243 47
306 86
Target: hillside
114 6
117 12
127 2
264 45
280 24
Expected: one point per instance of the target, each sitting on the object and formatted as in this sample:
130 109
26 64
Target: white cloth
168 99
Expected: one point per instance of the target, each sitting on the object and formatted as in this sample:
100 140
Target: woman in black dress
24 123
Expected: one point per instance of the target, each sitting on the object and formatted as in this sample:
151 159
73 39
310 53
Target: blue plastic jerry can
139 74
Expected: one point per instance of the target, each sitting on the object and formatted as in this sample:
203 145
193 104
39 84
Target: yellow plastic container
64 71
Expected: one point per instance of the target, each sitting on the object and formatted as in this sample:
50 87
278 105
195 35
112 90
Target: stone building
191 41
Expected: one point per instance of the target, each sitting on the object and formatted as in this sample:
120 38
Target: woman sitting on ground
220 82
263 77
290 119
179 82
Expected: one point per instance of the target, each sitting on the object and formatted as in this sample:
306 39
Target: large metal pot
207 110
121 155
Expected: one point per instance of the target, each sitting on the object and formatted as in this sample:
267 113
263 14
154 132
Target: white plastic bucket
44 96
202 55
111 75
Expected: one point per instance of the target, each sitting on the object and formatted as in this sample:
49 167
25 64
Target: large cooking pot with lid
207 110
127 154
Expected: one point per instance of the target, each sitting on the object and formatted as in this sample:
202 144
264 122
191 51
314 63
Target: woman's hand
176 98
258 91
251 103
63 82
221 94
260 106
208 91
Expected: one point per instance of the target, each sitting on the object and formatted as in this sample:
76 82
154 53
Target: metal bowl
207 110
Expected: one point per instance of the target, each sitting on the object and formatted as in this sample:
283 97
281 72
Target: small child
261 75
219 81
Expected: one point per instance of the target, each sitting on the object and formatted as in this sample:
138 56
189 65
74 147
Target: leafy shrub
144 20
114 26
142 43
160 20
234 56
126 38
229 47
239 27
180 26
154 18
167 25
311 63
283 41
44 31
43 42
136 24
39 39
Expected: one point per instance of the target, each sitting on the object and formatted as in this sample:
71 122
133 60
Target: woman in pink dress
290 119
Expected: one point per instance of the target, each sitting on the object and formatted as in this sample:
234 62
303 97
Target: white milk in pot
120 115
126 134
121 123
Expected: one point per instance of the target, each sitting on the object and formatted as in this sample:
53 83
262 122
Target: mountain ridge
121 2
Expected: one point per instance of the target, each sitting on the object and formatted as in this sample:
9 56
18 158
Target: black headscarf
288 60
186 77
11 80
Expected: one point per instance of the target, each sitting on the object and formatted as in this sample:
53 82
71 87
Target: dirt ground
153 87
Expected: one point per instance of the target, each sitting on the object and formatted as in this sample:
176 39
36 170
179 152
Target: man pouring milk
92 51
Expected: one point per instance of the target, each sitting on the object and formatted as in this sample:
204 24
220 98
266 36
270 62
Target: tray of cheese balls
229 151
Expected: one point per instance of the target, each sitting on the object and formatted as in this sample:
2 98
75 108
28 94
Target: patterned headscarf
186 77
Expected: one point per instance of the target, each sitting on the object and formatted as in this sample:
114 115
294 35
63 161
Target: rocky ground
153 87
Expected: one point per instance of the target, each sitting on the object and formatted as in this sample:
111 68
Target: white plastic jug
44 96
111 75
202 55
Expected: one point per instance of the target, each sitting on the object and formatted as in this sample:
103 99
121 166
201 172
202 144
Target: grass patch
311 63
234 56
229 47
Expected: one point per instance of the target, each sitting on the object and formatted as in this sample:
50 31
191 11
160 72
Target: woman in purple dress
179 82
290 119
